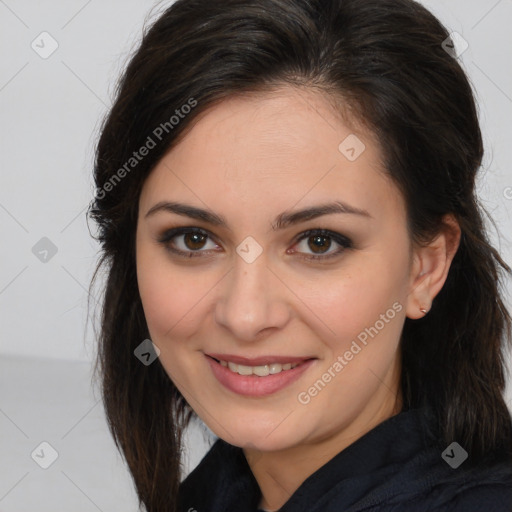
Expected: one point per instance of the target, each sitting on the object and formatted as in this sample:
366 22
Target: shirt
398 466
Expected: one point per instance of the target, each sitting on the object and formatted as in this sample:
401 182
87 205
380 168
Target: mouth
266 375
262 370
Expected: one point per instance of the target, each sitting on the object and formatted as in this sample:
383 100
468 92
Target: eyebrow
283 220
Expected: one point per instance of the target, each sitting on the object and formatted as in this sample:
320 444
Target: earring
423 310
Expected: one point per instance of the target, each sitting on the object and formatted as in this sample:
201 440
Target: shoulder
221 481
484 498
485 489
207 469
477 489
426 483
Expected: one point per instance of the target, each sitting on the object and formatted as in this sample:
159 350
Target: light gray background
50 114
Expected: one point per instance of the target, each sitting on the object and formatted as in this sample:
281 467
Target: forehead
270 150
268 126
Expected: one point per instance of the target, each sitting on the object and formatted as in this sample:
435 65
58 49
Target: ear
430 266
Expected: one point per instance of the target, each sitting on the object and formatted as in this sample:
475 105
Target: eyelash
341 240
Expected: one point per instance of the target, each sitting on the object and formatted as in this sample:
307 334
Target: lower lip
252 385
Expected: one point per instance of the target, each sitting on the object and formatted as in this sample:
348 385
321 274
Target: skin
249 159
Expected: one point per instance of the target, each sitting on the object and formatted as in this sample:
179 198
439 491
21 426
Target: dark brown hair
385 60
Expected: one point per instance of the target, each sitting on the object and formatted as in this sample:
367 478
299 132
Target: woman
286 207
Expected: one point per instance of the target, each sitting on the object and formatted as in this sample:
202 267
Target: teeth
260 371
244 370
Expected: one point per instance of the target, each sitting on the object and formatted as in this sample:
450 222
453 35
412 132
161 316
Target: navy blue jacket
396 467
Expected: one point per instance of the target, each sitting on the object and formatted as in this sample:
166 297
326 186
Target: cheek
365 308
352 300
343 301
168 296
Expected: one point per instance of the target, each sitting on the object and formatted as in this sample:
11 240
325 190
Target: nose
253 300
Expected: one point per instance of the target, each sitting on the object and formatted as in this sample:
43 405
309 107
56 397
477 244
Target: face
259 286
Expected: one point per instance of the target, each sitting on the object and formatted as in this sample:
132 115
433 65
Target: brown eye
191 241
319 241
194 241
187 242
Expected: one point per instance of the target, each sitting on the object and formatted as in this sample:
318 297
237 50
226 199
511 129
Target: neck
280 473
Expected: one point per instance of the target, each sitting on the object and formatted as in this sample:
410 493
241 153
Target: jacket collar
224 482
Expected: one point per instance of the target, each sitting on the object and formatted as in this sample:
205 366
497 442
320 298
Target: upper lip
258 361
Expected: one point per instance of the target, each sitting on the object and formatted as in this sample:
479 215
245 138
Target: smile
260 371
257 380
